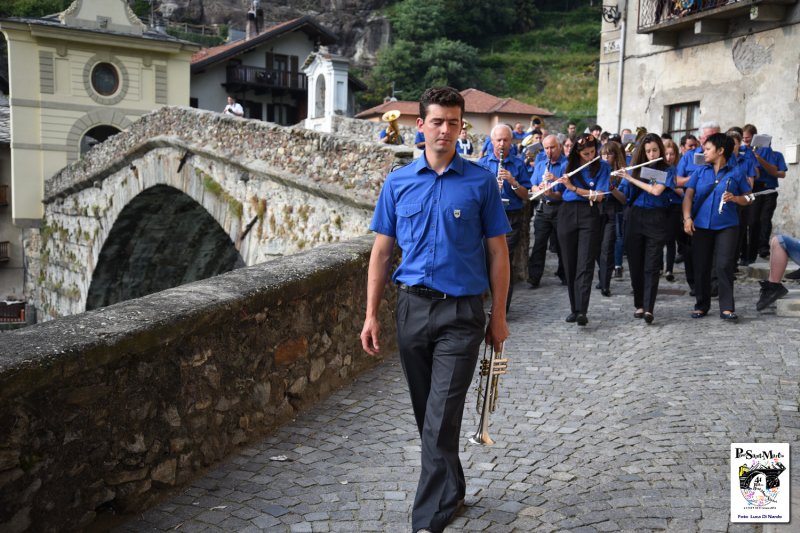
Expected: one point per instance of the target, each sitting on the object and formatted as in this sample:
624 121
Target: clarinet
722 198
499 168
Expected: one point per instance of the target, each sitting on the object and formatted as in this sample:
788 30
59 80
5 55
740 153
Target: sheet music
653 175
760 140
628 138
699 159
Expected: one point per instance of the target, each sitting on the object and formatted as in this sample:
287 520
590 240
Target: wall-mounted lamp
611 14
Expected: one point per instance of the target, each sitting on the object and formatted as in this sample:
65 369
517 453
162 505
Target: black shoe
770 292
698 313
793 275
572 317
670 276
617 271
733 317
605 292
582 320
638 314
533 284
648 317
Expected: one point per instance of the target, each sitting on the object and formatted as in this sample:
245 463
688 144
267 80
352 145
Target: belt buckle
435 297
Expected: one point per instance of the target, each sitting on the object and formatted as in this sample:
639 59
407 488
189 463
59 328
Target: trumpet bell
466 125
391 115
528 140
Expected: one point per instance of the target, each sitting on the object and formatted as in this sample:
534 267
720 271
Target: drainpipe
623 8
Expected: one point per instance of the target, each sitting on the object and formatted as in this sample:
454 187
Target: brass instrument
492 367
392 129
641 131
466 125
537 123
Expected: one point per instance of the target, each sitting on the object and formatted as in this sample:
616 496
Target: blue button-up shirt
440 222
419 137
765 179
705 179
747 161
541 166
686 164
644 199
517 169
598 182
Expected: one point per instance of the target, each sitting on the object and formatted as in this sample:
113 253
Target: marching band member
612 208
463 144
646 225
743 158
676 238
514 182
712 221
545 219
579 222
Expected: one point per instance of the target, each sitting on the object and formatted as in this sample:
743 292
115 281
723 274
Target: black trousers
439 341
515 220
759 224
644 241
605 261
579 239
714 249
545 224
676 237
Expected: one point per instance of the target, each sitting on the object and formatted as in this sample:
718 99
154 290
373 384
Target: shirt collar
456 165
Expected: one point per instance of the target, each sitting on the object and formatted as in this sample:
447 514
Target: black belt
549 202
421 290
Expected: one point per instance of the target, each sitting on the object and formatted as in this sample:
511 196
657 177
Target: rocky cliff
360 26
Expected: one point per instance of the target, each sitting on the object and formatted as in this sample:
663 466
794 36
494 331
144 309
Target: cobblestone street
618 425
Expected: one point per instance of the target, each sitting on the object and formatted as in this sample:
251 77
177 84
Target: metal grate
654 12
4 248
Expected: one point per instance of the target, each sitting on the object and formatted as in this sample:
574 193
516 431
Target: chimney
251 29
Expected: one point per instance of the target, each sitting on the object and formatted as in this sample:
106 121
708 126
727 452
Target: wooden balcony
3 195
5 249
261 80
706 16
12 312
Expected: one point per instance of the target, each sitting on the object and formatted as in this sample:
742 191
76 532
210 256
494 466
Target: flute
722 198
626 169
537 194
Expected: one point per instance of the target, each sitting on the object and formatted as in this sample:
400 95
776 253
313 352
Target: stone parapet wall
338 161
103 411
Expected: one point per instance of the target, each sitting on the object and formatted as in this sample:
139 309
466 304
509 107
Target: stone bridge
185 194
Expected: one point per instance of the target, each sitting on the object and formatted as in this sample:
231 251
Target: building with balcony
730 61
263 71
11 274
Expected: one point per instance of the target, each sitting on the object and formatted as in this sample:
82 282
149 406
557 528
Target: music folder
699 159
760 140
628 138
653 176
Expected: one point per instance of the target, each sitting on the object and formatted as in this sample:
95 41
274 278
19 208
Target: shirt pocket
466 223
409 217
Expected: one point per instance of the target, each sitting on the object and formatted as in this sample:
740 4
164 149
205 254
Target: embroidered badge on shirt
457 213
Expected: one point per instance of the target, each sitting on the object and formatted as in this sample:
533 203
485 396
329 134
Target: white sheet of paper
699 159
651 174
628 138
760 140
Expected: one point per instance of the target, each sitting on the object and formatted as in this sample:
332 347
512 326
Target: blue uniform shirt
766 180
517 169
383 134
674 197
598 182
686 165
746 161
541 166
645 200
440 222
705 179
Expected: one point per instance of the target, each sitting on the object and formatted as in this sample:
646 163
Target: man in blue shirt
419 140
446 215
385 138
545 171
514 183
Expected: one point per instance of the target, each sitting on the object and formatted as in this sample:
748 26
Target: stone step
789 305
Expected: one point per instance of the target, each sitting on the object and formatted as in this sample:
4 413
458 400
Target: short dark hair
536 132
750 128
571 123
687 137
665 136
737 129
443 96
596 127
720 140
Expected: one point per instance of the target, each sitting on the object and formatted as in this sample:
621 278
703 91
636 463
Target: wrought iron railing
11 313
654 12
261 77
3 195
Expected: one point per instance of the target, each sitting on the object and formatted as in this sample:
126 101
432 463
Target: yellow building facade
76 78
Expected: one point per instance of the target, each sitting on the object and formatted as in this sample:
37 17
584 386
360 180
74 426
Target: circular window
105 79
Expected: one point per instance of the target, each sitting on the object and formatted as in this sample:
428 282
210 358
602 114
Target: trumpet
492 367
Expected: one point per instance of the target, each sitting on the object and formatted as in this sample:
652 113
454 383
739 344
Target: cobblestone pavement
614 426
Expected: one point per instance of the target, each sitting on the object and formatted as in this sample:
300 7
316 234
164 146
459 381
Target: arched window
96 135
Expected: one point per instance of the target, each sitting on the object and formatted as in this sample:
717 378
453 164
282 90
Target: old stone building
730 61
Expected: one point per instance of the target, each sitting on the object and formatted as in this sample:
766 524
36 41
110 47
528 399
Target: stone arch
162 238
96 117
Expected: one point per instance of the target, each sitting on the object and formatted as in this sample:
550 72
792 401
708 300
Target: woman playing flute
646 224
611 209
709 217
579 220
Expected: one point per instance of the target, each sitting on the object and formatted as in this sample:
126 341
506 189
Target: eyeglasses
587 139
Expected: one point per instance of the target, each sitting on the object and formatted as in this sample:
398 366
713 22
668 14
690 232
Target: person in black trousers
611 153
579 221
648 209
710 218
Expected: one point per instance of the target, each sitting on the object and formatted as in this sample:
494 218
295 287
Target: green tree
32 8
418 20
